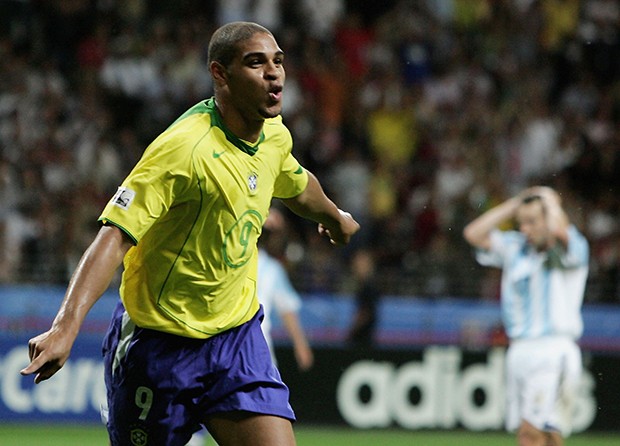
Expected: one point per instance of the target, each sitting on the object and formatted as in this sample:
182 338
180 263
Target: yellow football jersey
194 205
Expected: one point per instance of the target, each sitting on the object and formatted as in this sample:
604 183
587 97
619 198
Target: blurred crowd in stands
416 116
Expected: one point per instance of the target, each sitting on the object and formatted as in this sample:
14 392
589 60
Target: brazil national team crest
138 437
252 183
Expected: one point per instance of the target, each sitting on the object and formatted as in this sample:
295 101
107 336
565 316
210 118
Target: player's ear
218 72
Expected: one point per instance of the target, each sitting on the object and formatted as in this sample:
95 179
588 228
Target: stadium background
416 115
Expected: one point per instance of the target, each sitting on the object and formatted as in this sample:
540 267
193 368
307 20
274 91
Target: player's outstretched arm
50 350
314 205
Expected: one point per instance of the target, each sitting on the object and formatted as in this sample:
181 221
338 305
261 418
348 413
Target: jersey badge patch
123 198
253 182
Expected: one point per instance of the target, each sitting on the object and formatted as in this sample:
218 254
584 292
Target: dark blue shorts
160 387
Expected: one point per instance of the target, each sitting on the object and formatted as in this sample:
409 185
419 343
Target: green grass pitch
65 435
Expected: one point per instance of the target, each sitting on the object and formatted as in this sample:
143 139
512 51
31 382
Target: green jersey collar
216 119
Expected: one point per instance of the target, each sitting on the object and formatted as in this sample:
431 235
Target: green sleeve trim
300 170
107 221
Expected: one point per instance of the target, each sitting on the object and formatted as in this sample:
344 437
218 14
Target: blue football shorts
160 387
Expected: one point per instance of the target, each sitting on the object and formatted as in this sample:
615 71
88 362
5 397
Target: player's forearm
557 220
477 232
91 278
314 205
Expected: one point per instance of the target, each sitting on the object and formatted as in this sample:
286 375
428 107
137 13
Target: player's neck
243 128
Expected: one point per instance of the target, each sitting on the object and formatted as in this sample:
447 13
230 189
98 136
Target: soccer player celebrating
544 271
185 347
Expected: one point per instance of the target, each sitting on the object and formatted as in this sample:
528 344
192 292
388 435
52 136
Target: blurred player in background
185 347
367 294
276 293
544 270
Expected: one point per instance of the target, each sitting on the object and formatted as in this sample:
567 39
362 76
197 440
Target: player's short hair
531 198
225 41
534 198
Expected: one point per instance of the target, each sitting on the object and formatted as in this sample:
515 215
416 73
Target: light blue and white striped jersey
275 291
541 292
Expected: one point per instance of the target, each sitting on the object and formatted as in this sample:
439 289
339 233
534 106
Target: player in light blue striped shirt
544 270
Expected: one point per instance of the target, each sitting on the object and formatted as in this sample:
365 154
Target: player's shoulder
575 233
276 126
277 133
276 120
268 262
174 145
189 126
200 110
508 240
508 235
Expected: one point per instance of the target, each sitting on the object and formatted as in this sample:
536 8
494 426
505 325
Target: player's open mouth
275 94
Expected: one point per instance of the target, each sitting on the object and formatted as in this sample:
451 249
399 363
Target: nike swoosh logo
217 155
299 170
